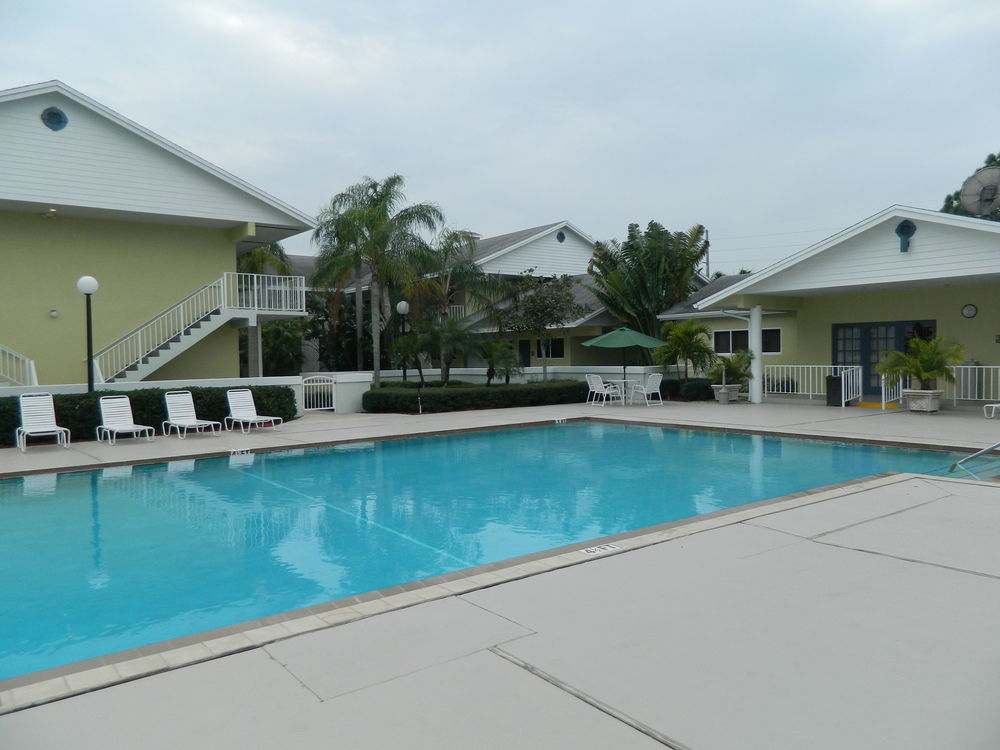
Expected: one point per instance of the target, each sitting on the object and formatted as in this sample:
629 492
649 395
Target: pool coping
57 683
606 419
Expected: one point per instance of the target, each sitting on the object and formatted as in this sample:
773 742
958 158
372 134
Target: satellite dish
980 194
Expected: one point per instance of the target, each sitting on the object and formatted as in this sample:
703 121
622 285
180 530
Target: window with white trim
727 342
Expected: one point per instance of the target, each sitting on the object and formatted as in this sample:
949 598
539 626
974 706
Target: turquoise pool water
97 562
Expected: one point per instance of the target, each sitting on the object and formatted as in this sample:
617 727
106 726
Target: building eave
297 219
893 212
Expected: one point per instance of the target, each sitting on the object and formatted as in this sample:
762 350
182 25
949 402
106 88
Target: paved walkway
863 616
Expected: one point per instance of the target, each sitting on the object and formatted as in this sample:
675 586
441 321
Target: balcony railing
261 293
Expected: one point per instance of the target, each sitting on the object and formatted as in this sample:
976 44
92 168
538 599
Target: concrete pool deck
858 616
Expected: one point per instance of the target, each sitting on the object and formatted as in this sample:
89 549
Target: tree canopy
543 304
649 272
367 228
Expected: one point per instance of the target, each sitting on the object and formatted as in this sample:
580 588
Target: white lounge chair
181 415
116 417
649 390
38 419
601 392
243 411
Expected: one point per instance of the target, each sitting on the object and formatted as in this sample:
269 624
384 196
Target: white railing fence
850 384
973 383
318 392
253 291
891 394
16 369
456 311
234 291
810 380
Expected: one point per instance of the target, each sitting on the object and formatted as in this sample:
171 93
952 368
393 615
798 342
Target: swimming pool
92 563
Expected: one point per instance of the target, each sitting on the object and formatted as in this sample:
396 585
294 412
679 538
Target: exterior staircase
236 298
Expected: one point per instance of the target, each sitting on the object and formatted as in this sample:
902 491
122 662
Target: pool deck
859 616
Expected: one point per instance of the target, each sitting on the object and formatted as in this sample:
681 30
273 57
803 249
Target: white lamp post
403 309
87 285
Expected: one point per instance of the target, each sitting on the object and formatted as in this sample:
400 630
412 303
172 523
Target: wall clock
969 311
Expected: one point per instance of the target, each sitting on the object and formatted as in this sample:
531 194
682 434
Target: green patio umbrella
622 338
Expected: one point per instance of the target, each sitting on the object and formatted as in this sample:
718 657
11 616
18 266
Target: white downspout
757 350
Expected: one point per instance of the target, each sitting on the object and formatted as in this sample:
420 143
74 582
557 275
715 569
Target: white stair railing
17 369
140 342
234 291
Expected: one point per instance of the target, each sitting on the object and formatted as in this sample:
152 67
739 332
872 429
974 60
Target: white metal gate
318 393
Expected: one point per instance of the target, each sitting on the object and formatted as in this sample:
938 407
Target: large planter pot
921 400
727 394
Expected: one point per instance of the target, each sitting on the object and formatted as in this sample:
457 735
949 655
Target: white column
757 349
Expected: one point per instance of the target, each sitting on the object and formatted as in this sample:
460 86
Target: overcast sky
772 123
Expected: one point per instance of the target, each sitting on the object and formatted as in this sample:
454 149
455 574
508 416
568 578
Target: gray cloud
771 123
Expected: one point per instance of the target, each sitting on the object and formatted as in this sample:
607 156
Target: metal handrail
17 369
958 464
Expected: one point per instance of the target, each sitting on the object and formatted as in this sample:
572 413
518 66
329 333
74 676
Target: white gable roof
867 256
103 164
540 248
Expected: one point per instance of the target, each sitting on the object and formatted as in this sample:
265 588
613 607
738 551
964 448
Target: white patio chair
601 392
38 419
181 416
990 410
649 390
243 411
116 417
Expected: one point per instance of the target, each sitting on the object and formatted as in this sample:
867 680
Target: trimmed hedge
697 389
80 413
428 384
404 400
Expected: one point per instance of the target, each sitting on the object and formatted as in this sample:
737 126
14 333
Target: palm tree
265 259
367 229
649 272
442 269
687 342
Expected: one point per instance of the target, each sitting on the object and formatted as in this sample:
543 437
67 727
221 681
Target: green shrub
429 384
697 389
404 400
80 413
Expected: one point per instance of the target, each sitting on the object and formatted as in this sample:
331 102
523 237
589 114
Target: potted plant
919 367
730 374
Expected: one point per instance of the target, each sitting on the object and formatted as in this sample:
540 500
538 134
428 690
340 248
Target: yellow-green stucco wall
806 334
142 270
